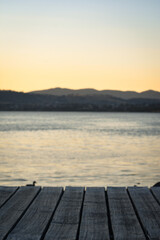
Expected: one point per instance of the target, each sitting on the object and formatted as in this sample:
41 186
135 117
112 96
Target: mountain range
150 94
60 99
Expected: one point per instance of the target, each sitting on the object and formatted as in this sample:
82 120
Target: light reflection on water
89 149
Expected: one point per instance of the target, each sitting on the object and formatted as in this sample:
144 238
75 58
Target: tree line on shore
19 101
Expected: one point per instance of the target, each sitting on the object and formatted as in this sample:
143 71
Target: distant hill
85 100
150 94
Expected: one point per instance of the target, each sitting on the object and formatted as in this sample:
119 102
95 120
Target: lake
79 148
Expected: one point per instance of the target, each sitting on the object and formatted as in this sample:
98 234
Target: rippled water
75 148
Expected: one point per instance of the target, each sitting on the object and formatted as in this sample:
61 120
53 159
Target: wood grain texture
65 222
36 219
125 224
148 210
6 193
94 223
156 193
13 209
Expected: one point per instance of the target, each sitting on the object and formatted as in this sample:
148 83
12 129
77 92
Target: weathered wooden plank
35 221
65 222
156 193
6 193
125 224
13 209
94 223
148 210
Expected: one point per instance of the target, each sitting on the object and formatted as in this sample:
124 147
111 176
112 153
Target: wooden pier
76 213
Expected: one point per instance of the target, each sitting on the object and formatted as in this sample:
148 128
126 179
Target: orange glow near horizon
100 45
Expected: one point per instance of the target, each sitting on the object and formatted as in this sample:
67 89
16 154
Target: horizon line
65 88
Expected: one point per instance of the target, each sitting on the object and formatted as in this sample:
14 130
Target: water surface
75 148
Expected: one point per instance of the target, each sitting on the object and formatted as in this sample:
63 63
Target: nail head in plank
65 222
94 223
6 193
125 224
14 208
36 219
148 210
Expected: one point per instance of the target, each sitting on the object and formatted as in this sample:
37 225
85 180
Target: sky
101 44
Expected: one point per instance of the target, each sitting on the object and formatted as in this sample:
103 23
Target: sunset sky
102 44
